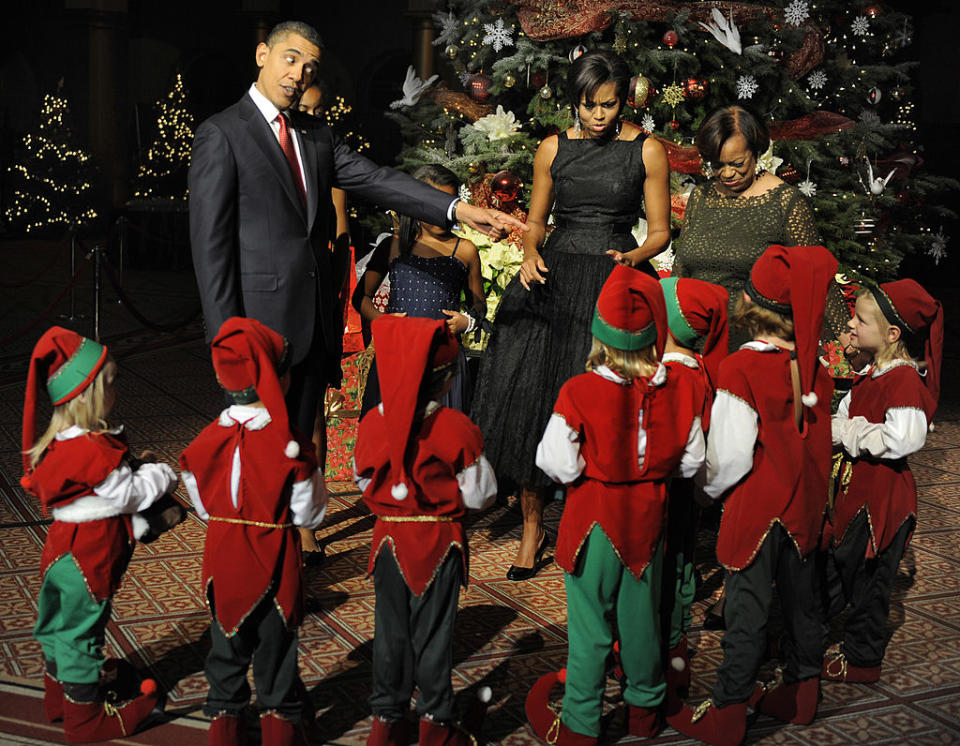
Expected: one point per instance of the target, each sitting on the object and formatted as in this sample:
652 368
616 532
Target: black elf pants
264 637
413 640
851 578
749 596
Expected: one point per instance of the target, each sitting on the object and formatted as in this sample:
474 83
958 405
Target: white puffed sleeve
190 482
478 484
730 444
361 482
695 451
308 501
131 491
902 432
558 452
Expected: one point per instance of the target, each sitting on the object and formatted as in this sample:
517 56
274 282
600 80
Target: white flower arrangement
768 161
498 125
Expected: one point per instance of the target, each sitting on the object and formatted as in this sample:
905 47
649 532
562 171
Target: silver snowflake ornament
808 188
746 86
498 36
938 246
870 118
860 26
903 36
447 23
817 79
796 12
647 123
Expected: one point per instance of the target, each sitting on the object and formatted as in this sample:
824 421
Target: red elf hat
248 359
904 303
630 313
793 281
67 363
408 350
698 309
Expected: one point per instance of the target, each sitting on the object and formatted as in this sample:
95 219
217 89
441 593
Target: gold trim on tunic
242 522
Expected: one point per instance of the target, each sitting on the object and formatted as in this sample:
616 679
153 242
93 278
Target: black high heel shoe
517 574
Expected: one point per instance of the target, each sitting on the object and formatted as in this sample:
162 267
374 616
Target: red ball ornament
479 87
674 124
695 88
873 10
670 38
505 186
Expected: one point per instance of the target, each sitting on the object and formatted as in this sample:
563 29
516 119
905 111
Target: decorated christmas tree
52 183
832 79
163 171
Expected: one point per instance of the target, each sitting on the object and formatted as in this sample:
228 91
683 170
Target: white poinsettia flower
768 161
498 125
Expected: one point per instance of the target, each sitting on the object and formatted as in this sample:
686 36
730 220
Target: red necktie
286 145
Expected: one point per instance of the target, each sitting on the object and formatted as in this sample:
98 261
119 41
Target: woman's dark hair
408 228
591 70
726 122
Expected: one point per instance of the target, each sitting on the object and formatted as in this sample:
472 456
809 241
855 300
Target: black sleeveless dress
423 286
542 337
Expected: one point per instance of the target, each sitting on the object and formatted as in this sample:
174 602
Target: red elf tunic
632 435
680 365
879 423
253 546
427 524
70 470
774 473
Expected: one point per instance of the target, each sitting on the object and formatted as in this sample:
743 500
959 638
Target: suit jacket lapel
308 152
263 136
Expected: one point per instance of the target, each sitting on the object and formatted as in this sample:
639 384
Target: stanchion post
72 316
97 289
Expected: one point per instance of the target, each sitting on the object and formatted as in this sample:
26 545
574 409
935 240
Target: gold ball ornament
452 51
546 92
509 81
640 92
473 167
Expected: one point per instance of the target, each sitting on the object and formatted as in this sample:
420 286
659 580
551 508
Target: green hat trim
622 339
676 321
74 375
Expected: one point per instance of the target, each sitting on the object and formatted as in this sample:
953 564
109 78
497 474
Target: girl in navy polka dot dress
431 272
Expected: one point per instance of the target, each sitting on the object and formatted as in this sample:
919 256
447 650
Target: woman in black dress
597 176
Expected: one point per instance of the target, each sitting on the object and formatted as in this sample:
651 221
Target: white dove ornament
413 89
876 185
725 31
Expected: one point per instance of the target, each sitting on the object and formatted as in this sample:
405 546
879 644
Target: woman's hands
629 258
457 322
532 270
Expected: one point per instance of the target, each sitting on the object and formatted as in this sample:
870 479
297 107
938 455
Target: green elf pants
71 623
600 586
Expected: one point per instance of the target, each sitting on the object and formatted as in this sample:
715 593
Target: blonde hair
760 321
627 363
897 350
88 410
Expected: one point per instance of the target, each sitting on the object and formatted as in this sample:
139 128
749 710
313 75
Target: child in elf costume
768 458
421 467
85 477
254 479
696 319
879 423
616 435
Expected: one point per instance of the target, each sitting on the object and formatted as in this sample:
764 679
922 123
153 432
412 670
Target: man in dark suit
260 179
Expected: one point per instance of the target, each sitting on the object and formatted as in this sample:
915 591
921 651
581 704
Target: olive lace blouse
723 236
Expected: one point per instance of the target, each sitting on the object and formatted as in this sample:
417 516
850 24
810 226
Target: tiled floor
507 634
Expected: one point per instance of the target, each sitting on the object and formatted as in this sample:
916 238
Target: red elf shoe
643 722
836 667
226 730
436 733
52 694
389 732
545 721
791 703
719 726
87 718
278 731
